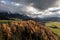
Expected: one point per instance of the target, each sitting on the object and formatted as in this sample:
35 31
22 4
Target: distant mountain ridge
7 16
47 19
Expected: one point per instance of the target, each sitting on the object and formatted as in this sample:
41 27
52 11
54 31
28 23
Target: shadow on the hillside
54 27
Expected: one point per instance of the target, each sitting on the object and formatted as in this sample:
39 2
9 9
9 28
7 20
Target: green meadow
54 27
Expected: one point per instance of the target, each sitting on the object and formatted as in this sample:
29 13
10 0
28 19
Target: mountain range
8 15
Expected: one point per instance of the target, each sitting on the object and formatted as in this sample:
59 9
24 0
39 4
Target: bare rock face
25 30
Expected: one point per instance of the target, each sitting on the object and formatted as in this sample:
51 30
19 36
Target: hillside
25 30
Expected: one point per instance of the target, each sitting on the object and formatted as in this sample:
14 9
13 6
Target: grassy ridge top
6 21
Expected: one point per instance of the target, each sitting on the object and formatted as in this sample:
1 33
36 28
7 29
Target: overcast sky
28 6
40 4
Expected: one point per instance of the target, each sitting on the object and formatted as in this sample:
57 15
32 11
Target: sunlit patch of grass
55 30
6 21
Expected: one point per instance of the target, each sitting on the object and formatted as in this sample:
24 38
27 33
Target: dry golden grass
26 30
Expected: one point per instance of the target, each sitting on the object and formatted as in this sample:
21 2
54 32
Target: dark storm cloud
42 4
29 6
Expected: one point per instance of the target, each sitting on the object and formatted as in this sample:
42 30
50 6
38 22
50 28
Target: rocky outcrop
25 30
